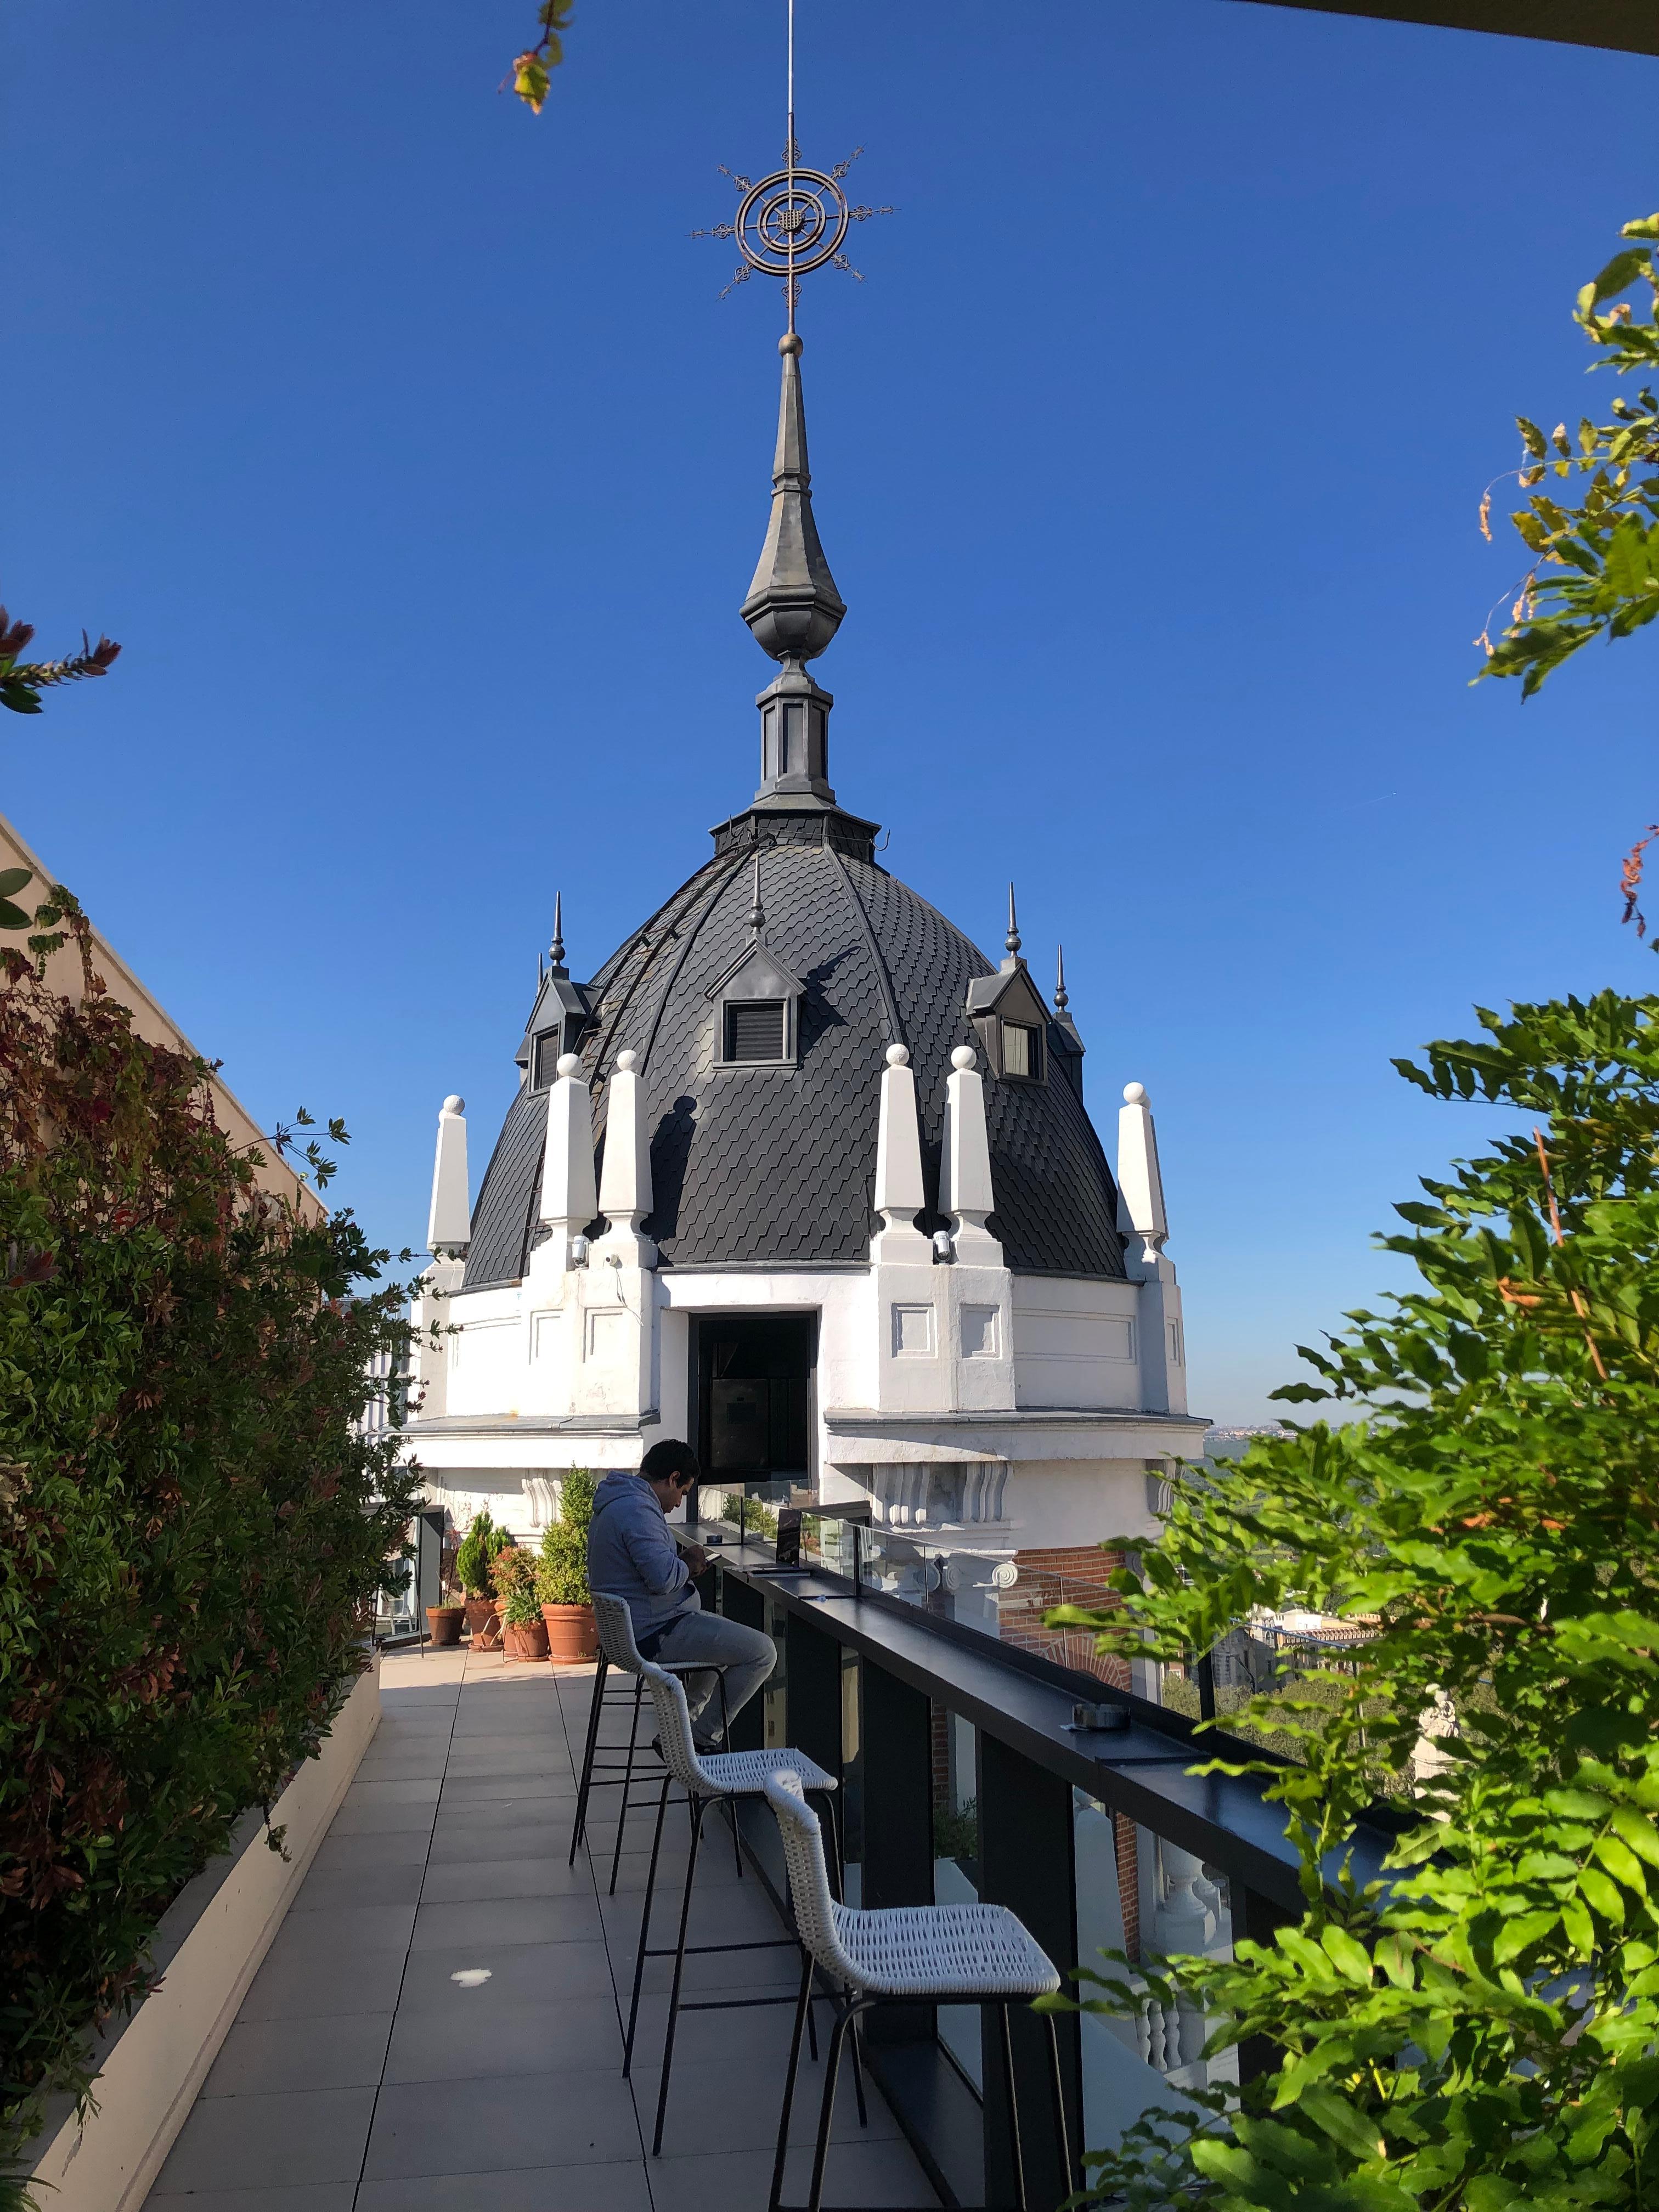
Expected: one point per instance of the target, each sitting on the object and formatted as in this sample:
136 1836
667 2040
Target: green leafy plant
563 1567
195 1526
475 1561
516 1586
1481 2029
1594 569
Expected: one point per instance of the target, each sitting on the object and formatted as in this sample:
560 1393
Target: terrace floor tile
436 2026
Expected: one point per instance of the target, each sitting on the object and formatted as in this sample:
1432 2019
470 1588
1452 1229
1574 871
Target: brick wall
1075 1575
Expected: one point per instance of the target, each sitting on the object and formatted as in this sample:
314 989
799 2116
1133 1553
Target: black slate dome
772 1165
758 1166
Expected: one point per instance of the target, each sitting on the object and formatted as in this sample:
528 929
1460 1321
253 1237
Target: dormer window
756 1029
756 1003
1022 1052
1011 1023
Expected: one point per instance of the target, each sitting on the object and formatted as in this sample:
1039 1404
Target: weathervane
794 220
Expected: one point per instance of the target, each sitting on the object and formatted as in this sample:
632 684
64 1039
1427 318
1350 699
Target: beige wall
149 1019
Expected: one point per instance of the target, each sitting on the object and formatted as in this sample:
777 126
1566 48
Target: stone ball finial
790 342
898 1055
1134 1094
963 1058
568 1064
625 1061
454 1105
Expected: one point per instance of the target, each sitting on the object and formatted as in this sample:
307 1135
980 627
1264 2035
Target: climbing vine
193 1529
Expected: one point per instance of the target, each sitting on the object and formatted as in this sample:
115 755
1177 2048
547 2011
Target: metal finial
758 912
556 950
1061 997
1012 941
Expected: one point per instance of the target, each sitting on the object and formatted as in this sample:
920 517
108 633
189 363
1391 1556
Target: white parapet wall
209 1945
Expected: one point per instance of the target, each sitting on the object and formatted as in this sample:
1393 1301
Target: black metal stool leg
584 1787
1015 2148
731 1803
837 1889
628 1782
803 2013
1061 2134
679 1970
844 2019
645 1930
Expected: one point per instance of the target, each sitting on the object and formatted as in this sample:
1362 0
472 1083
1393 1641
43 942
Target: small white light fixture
579 1250
944 1251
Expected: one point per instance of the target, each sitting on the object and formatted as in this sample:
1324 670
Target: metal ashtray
1112 1720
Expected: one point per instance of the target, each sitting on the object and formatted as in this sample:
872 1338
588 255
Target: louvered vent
548 1047
755 1029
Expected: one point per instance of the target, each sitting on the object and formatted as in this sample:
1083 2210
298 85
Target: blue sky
404 442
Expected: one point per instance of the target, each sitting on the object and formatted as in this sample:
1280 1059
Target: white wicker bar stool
710 1778
909 1954
619 1650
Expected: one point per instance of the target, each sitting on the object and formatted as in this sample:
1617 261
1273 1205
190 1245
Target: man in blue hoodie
632 1554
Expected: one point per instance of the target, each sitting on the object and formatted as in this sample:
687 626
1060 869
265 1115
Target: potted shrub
475 1571
566 1601
444 1620
524 1634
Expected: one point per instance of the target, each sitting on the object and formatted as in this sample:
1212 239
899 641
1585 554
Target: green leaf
1575 1804
13 917
1580 1929
1620 273
1603 1894
1338 2119
1622 1864
1350 1959
1490 2193
13 879
1517 1936
1642 1836
1493 2192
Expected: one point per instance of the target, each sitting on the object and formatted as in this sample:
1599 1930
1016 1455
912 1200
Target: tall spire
1062 996
1010 943
793 607
556 950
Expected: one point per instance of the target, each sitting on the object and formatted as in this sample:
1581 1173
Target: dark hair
671 1456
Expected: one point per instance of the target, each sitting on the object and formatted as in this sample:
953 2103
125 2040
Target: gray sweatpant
711 1636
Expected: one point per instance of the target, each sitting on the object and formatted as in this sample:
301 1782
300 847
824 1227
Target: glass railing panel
955 1743
1139 1894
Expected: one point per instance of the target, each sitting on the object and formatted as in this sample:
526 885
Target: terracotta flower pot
481 1620
525 1640
572 1632
444 1622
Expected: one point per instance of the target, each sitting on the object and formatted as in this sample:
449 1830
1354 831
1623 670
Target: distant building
150 1019
802 1175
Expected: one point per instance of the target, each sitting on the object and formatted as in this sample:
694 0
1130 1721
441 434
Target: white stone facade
992 1411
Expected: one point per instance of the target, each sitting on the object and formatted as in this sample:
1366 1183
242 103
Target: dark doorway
754 1394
